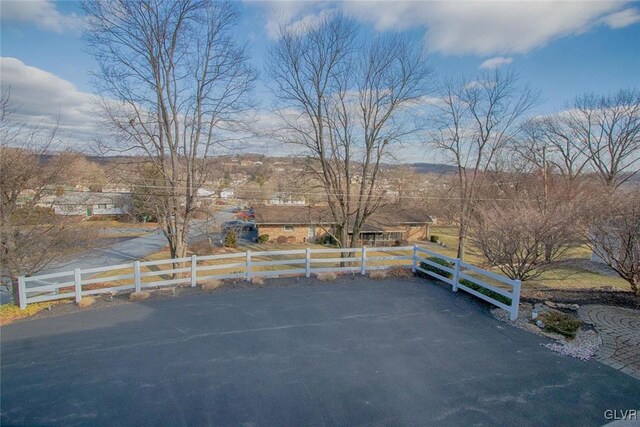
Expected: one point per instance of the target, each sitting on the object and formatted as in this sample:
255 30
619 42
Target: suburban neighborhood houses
319 213
312 224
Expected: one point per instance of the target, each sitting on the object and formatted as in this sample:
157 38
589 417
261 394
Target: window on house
102 206
288 228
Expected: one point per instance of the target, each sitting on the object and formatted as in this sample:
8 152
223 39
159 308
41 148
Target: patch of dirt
582 297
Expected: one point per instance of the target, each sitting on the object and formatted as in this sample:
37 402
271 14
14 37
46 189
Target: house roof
87 198
291 215
385 219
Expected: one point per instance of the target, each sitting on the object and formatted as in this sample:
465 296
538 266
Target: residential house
226 193
388 227
281 199
87 203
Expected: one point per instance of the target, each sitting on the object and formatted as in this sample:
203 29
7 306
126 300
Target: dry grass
211 285
327 277
258 281
378 275
10 313
398 272
86 302
138 296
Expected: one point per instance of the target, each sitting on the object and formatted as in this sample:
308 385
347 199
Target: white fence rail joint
461 275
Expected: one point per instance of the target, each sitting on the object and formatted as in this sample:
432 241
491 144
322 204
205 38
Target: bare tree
613 230
32 237
174 83
607 130
523 233
347 104
476 119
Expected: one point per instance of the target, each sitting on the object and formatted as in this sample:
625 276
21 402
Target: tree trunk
462 237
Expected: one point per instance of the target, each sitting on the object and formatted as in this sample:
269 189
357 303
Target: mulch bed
583 297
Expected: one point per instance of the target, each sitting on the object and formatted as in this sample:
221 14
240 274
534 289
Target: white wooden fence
246 265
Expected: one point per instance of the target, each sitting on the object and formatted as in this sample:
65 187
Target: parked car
244 230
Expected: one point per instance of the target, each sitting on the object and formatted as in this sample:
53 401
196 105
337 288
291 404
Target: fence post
363 261
22 293
515 300
136 275
194 266
77 280
248 266
308 262
414 261
456 275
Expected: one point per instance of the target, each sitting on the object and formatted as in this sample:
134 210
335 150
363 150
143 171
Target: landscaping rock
551 304
583 347
540 324
574 307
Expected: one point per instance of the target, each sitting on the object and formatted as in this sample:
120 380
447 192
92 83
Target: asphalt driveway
364 353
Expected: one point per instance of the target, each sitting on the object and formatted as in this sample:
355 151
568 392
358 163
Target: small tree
231 239
614 236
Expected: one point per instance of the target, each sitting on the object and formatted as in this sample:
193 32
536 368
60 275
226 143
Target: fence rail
191 270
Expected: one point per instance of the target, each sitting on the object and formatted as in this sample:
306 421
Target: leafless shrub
398 272
139 296
520 239
86 302
378 275
257 280
210 285
327 277
614 236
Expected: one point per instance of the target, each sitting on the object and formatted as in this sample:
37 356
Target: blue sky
562 48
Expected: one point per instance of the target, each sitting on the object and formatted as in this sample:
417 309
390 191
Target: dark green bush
263 238
488 292
231 239
560 323
435 238
436 270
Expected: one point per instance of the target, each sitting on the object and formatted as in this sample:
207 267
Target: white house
226 193
89 203
279 199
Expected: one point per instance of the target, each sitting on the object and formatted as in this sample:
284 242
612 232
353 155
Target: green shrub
560 323
435 238
263 238
488 292
436 270
230 239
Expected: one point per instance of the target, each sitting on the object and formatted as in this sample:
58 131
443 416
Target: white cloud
42 13
294 15
486 28
41 98
622 19
472 27
496 62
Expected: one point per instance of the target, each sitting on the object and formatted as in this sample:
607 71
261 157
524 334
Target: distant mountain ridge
438 168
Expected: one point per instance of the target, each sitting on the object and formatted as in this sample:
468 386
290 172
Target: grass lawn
561 277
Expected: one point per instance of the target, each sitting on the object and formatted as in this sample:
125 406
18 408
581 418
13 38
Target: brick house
300 224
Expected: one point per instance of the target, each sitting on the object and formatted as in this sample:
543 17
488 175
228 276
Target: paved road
365 353
125 251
